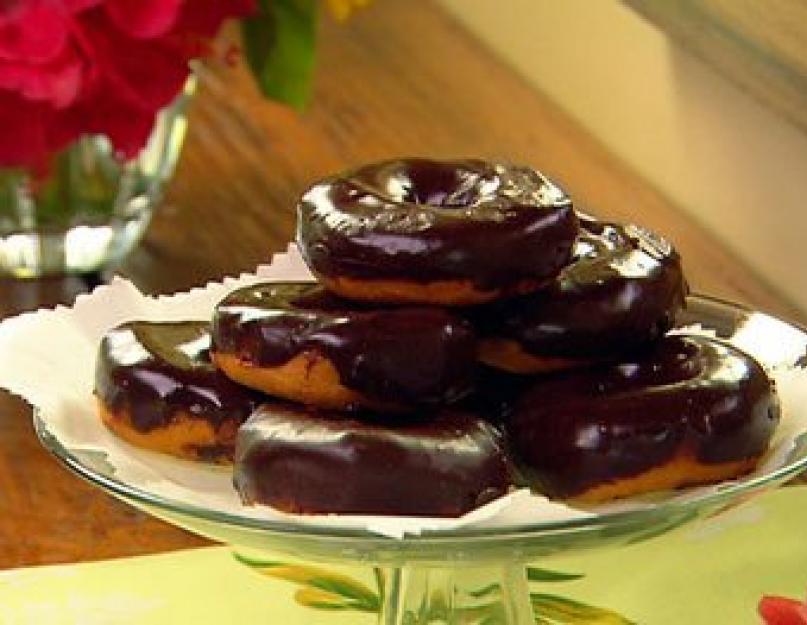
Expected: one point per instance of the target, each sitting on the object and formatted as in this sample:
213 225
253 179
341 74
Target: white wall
735 166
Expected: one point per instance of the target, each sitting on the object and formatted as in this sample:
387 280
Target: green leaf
280 46
545 575
483 592
362 596
354 594
563 610
254 562
321 600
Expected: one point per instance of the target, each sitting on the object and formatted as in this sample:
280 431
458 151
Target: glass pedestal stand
468 575
415 595
471 577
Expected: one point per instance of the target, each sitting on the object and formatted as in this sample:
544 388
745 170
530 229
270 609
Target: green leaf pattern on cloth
680 578
322 589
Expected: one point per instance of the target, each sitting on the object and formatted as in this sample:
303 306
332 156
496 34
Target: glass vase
90 208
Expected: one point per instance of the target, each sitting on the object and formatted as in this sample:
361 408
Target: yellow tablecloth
713 572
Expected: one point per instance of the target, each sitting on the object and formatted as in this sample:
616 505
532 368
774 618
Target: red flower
70 67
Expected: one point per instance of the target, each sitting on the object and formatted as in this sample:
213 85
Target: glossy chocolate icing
304 461
690 395
622 290
495 394
410 355
423 220
154 371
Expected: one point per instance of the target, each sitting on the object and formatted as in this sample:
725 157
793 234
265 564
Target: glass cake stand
470 575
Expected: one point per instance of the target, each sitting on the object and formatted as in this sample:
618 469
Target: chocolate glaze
690 395
155 370
621 290
411 354
496 393
302 461
422 220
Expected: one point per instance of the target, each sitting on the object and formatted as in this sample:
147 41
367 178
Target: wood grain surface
399 79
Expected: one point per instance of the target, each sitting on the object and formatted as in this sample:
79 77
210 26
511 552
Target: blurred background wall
737 167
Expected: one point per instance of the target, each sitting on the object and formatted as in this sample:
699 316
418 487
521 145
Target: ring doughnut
156 388
694 410
436 232
301 461
297 341
620 292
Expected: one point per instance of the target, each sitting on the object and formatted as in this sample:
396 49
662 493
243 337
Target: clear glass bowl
91 208
474 575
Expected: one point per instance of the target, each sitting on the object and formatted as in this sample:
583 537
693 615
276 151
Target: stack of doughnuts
469 331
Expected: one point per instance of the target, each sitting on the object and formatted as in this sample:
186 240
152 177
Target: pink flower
70 67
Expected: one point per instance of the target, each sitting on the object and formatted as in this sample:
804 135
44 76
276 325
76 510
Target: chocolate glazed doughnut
438 232
156 388
308 462
298 341
620 292
692 411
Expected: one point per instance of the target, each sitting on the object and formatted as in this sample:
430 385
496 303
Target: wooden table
399 79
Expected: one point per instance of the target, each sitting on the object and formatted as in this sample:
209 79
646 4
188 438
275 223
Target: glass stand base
419 595
497 593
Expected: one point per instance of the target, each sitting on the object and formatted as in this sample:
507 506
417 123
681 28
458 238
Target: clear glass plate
437 576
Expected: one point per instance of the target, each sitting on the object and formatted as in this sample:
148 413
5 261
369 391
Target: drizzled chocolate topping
410 355
422 220
301 461
155 370
621 290
689 395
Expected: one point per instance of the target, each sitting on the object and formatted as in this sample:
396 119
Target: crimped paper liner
48 358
